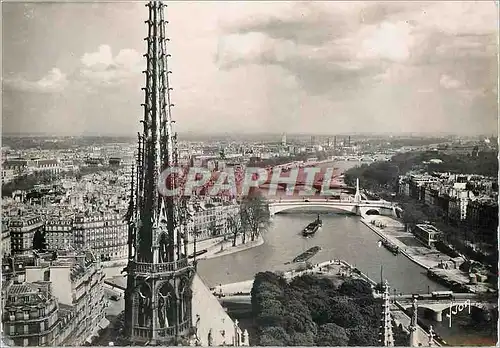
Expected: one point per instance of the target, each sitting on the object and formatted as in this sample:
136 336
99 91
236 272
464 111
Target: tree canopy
311 310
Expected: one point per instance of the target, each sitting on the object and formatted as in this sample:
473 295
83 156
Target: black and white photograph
249 173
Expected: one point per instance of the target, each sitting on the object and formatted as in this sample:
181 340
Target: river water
341 237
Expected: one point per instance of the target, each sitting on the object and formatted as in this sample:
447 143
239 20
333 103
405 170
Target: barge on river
312 228
389 246
306 255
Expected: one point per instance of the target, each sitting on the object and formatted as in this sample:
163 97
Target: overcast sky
318 67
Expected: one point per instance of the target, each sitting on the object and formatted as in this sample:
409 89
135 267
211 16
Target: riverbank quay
439 266
337 268
225 247
215 247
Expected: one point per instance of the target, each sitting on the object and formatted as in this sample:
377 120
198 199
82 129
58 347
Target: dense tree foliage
380 176
27 182
254 215
311 310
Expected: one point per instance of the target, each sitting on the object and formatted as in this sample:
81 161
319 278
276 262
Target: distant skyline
255 67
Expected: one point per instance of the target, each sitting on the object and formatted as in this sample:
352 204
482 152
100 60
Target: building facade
30 315
51 166
77 281
104 233
482 218
6 241
427 234
211 220
22 232
59 233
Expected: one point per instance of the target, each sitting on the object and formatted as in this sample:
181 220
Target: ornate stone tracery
157 299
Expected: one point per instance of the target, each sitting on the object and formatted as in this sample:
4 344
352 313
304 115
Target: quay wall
382 235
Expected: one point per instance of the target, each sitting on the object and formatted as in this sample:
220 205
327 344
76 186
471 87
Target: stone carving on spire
157 301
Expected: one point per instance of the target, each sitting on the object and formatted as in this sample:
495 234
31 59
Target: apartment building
59 233
51 166
462 199
22 231
5 240
30 315
77 281
482 217
211 219
105 233
8 175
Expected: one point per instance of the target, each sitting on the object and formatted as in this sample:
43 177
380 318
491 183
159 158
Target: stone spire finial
413 324
431 336
388 340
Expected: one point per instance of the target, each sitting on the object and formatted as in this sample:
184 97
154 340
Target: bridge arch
276 208
372 211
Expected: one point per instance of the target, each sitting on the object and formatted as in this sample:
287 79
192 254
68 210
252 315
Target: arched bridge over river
351 206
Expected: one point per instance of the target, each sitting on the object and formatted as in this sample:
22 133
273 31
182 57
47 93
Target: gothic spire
158 149
388 338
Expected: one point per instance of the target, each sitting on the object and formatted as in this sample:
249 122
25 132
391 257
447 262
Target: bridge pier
438 316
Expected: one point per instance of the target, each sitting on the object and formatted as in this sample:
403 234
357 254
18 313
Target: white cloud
102 57
53 82
448 82
102 67
460 18
392 41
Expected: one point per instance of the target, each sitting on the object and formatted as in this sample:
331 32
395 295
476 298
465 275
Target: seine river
341 237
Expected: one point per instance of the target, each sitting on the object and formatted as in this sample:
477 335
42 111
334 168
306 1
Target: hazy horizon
278 136
313 68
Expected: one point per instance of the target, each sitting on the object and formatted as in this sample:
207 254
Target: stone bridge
460 303
351 206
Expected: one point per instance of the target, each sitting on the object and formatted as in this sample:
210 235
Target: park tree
331 335
356 288
196 233
234 227
363 336
301 339
273 336
346 313
412 215
255 216
310 310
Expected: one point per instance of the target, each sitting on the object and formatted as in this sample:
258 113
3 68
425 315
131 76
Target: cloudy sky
318 67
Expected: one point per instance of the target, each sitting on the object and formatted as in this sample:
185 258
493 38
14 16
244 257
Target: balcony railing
145 332
143 267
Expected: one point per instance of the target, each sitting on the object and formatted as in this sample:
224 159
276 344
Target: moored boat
313 227
198 253
389 246
306 255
